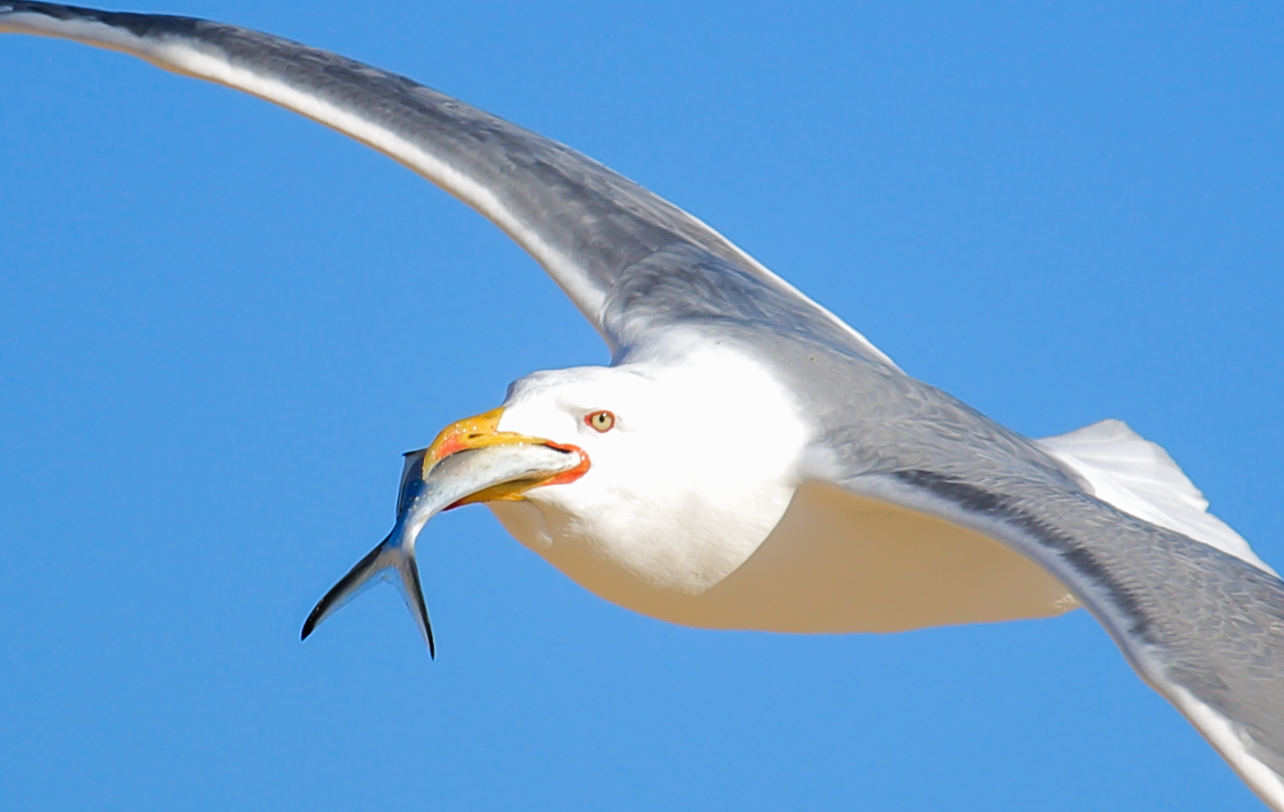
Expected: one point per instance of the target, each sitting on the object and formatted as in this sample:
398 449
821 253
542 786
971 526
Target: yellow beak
481 431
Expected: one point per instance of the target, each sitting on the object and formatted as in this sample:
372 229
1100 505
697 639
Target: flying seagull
748 460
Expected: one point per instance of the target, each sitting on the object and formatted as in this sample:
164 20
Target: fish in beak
470 461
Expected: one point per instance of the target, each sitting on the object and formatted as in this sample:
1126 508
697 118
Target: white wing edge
1230 742
184 57
1140 478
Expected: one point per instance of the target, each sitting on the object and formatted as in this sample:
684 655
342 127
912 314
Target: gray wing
584 223
1202 627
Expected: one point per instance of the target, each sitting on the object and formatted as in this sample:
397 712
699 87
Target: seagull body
707 544
748 460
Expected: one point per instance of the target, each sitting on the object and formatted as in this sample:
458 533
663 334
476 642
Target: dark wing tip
141 25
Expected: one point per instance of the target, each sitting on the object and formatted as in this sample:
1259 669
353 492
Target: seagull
748 460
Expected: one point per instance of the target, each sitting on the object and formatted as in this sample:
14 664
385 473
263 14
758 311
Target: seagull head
686 466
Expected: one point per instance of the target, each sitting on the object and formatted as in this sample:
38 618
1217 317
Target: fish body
429 487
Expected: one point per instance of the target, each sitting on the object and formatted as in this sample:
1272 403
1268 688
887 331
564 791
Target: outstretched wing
1203 626
584 223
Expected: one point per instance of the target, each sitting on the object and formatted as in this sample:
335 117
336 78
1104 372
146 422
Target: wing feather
585 224
1203 627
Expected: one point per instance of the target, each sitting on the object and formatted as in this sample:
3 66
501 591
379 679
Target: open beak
470 461
482 431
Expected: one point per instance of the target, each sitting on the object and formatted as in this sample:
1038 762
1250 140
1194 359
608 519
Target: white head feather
698 467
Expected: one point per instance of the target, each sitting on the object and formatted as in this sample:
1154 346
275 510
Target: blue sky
220 324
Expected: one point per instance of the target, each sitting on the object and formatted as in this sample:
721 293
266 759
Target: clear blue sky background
220 324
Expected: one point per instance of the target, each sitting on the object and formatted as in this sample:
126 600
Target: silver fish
421 497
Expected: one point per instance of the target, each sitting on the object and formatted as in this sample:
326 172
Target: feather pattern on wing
586 224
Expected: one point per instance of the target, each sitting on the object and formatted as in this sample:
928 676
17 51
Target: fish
428 488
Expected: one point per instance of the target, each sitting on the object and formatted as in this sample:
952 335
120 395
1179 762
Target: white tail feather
1140 478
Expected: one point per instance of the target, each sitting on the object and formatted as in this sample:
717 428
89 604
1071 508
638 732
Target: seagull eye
600 421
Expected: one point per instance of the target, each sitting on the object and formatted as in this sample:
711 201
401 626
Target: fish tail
391 562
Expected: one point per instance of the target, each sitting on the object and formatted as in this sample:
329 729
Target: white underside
835 563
